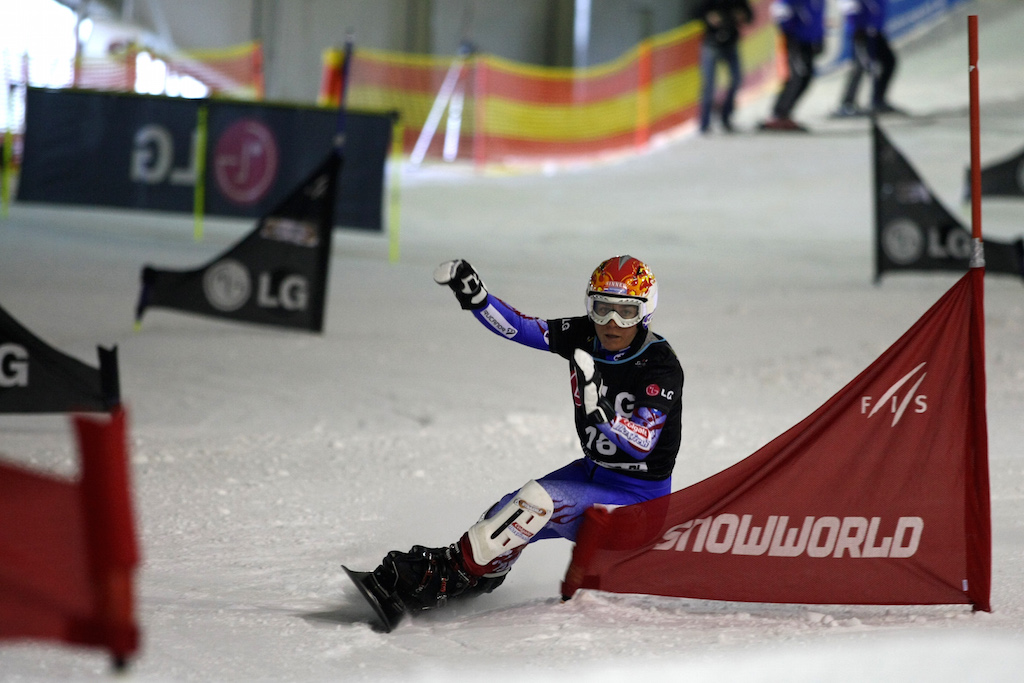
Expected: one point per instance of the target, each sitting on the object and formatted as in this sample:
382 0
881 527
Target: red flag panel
878 497
68 549
43 578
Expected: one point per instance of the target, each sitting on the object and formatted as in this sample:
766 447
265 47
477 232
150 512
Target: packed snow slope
262 459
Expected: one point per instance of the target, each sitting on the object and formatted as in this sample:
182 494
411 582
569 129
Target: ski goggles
625 311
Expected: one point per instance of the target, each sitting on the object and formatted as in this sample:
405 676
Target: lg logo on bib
655 390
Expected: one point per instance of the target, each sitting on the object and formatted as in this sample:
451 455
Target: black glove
599 409
464 281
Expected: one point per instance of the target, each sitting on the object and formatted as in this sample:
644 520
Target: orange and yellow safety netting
515 111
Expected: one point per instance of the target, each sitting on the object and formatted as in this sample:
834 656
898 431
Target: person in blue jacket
802 25
872 54
626 385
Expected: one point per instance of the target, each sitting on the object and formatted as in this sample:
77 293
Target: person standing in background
872 53
722 20
802 24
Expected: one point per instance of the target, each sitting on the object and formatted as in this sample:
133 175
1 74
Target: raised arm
492 312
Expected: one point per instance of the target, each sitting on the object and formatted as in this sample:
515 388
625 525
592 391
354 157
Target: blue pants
874 55
580 485
800 58
710 56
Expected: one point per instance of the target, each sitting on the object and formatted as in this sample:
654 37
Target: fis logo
896 401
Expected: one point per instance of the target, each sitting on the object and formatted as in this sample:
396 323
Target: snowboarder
627 387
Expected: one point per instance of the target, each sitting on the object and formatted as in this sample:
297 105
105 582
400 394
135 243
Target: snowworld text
818 537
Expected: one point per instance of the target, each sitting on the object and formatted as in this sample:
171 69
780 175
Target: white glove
597 407
465 282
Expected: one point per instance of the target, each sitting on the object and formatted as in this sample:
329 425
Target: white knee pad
514 525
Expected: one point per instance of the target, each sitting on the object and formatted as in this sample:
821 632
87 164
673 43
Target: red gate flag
68 549
880 496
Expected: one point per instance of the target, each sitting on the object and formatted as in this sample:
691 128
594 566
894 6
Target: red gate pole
972 49
978 496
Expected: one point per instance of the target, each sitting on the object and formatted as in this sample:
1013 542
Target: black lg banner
915 232
276 275
1001 178
37 378
137 151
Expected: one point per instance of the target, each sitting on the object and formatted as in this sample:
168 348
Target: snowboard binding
421 579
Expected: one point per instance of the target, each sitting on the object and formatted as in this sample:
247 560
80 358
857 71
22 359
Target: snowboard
387 607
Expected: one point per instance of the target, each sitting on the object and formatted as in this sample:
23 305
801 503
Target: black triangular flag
37 378
1000 179
277 275
914 231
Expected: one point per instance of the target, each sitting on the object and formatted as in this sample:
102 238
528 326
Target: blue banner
141 152
907 15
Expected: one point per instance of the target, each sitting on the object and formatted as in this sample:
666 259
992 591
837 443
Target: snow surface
263 459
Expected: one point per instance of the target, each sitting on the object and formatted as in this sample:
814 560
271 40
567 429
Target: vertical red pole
331 79
480 96
978 497
594 527
130 67
643 94
972 49
257 72
113 552
76 64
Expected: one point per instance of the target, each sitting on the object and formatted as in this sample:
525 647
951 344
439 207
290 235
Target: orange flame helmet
624 279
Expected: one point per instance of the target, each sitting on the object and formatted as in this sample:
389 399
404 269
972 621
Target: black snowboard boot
428 578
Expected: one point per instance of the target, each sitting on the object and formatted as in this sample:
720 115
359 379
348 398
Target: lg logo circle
245 161
227 285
